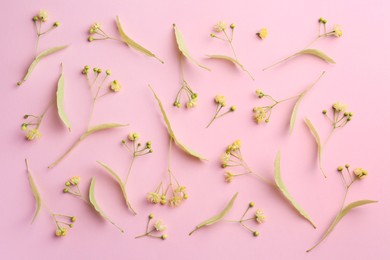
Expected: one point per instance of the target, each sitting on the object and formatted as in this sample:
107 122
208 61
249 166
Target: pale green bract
170 131
60 100
316 53
286 194
34 189
131 43
95 205
232 60
183 49
318 141
121 184
217 217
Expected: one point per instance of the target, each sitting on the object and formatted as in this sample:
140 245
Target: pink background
360 78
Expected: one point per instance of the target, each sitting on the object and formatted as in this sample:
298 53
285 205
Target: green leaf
286 194
34 189
217 217
319 145
183 49
60 100
95 205
316 53
99 128
232 60
131 43
170 131
38 58
299 100
342 214
121 184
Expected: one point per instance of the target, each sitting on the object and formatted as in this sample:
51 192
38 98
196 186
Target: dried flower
259 114
43 15
154 197
159 225
94 28
337 30
115 86
360 173
221 102
339 107
33 134
229 177
75 180
260 217
263 33
220 26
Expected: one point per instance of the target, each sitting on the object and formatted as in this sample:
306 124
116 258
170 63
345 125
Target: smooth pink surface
360 78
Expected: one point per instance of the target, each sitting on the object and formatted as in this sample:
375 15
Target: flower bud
90 38
56 24
256 233
251 204
151 216
340 168
164 236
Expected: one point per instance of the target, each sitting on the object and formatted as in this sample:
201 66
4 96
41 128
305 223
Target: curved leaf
319 145
40 56
131 43
217 217
183 49
286 194
60 100
232 60
316 53
342 214
296 106
121 184
95 205
34 189
170 131
99 128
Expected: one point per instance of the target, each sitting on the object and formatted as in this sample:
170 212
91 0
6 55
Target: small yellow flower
43 15
337 30
338 107
259 114
221 100
225 158
175 201
360 173
220 26
192 103
115 86
159 225
263 33
33 134
228 177
133 137
153 197
75 180
260 217
94 28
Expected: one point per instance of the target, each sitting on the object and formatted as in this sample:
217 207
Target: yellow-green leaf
95 205
316 53
34 189
286 194
232 60
121 184
131 43
342 214
217 217
99 128
40 56
170 131
60 100
319 145
183 49
298 102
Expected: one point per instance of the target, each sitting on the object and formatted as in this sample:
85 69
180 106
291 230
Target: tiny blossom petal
153 197
259 114
260 217
228 177
221 100
175 201
33 134
43 15
115 86
263 33
360 173
337 30
74 180
225 158
220 26
339 107
159 225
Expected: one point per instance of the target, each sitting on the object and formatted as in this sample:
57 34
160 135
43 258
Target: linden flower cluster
258 216
62 226
220 101
32 124
340 116
192 97
72 187
158 226
96 33
160 195
263 33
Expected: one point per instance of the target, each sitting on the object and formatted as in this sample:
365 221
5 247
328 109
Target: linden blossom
221 103
158 226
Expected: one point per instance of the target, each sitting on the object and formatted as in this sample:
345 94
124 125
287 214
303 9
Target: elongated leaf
170 130
298 102
121 184
40 56
101 127
217 217
183 49
316 53
342 214
131 43
318 140
34 189
95 205
232 60
60 100
286 194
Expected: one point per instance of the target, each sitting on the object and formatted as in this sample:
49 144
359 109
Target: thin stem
65 154
231 45
129 170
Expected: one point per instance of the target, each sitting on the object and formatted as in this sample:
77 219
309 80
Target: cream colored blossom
115 86
175 201
260 217
225 158
75 180
153 197
339 107
33 134
159 225
360 173
263 33
228 177
221 100
259 114
43 15
94 28
192 103
220 26
337 30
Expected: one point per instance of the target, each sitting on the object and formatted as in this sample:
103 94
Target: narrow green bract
316 53
34 189
60 100
318 140
286 194
232 60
